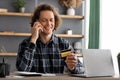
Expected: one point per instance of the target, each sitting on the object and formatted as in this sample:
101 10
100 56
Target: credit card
65 52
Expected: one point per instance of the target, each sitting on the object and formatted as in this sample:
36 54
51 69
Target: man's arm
25 57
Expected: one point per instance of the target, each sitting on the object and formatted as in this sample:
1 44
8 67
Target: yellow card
64 53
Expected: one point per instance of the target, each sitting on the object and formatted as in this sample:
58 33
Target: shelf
15 54
8 54
14 34
28 34
72 17
73 35
30 14
16 14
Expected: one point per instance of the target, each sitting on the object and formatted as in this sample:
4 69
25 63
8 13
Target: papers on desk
33 74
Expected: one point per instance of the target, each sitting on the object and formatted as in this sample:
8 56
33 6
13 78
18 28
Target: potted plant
70 4
20 5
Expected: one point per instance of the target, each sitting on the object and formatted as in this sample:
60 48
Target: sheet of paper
33 74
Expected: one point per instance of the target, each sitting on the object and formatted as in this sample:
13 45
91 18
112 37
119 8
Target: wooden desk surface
60 77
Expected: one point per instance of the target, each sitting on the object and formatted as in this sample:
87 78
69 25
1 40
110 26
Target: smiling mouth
48 28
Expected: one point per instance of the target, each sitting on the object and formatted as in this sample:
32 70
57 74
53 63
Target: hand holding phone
36 29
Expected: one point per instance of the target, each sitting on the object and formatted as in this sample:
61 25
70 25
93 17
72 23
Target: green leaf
19 3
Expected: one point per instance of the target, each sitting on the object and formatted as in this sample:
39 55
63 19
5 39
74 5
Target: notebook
23 73
97 63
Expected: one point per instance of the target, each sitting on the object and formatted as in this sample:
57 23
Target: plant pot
70 11
22 9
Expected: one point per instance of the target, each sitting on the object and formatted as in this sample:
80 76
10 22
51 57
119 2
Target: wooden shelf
14 34
73 35
8 54
16 14
28 34
30 14
15 54
72 17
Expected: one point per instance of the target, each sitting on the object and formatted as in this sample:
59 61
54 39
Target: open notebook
97 62
33 74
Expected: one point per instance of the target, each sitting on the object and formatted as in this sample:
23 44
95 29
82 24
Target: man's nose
48 22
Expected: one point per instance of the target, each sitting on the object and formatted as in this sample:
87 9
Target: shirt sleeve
79 68
25 56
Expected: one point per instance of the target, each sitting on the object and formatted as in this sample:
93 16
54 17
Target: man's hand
71 61
36 29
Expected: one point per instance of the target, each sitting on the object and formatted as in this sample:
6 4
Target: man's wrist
33 41
31 45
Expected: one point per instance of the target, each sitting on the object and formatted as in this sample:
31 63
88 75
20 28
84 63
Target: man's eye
51 20
43 20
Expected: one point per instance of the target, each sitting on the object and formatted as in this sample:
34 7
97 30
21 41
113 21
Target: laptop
97 63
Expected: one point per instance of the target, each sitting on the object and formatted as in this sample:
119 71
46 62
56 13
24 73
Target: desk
60 77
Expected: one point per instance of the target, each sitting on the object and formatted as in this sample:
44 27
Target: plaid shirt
43 58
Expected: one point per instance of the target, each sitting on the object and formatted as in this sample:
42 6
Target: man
41 52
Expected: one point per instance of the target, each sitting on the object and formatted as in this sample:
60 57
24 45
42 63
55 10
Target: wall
110 28
21 24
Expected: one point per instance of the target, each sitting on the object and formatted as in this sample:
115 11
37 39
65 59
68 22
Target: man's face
47 21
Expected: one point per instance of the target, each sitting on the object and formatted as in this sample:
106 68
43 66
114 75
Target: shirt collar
53 39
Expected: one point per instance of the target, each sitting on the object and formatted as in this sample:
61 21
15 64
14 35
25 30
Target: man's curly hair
44 7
